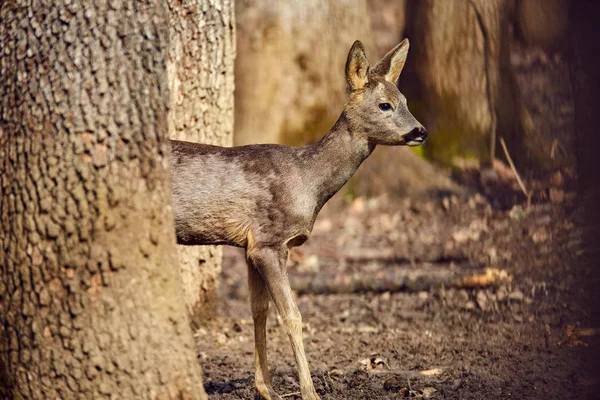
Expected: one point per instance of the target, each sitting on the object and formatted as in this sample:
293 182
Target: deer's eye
385 106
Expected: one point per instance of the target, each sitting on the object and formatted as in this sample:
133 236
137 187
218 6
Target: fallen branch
406 373
514 169
397 279
386 256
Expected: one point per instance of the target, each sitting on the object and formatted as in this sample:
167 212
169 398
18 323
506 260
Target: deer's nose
422 132
416 136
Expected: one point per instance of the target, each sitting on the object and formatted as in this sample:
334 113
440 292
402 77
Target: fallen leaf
323 225
358 205
540 235
489 277
556 179
336 372
424 393
557 195
574 334
482 300
517 213
373 363
431 372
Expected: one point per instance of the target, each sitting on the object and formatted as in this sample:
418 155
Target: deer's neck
335 158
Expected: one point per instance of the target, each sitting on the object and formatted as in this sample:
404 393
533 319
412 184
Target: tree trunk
585 44
585 77
290 84
200 69
461 84
543 23
387 23
90 303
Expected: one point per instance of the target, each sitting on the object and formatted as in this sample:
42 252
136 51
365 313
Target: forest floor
396 301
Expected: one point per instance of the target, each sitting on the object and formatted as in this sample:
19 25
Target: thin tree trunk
200 70
90 303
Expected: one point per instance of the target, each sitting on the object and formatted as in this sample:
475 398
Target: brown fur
266 198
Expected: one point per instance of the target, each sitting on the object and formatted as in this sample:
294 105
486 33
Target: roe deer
265 198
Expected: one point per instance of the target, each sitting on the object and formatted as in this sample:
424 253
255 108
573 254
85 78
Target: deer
265 198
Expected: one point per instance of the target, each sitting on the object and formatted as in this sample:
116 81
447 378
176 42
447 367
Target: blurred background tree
585 75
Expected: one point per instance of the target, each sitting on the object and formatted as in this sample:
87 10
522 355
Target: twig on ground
514 169
291 394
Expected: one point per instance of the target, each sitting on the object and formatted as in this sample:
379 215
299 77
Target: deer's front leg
259 304
271 262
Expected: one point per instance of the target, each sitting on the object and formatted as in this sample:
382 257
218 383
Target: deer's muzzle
415 137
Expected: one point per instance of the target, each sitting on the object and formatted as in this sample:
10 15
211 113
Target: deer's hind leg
259 304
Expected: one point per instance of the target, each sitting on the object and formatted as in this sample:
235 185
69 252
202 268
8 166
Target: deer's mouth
415 142
415 137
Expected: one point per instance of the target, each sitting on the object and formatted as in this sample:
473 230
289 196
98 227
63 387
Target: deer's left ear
357 66
392 63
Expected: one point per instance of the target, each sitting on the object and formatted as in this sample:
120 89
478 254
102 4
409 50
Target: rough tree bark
90 303
200 69
460 81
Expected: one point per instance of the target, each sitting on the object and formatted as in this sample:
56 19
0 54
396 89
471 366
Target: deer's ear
357 66
392 63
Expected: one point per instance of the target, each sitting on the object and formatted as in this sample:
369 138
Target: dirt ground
524 335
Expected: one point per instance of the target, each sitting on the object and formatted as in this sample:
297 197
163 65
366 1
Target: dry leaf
557 195
371 363
431 372
489 277
424 393
517 213
574 334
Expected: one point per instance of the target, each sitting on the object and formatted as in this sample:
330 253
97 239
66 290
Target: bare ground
508 340
521 338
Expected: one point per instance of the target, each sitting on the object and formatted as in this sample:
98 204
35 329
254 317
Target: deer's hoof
267 393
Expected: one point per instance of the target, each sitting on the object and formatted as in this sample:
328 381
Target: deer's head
376 108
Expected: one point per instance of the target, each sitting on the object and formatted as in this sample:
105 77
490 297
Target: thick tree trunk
200 69
387 23
585 74
585 47
543 23
461 84
90 303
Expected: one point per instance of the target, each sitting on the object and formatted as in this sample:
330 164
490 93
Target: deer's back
221 192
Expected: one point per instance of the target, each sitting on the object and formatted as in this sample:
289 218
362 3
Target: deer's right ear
357 66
